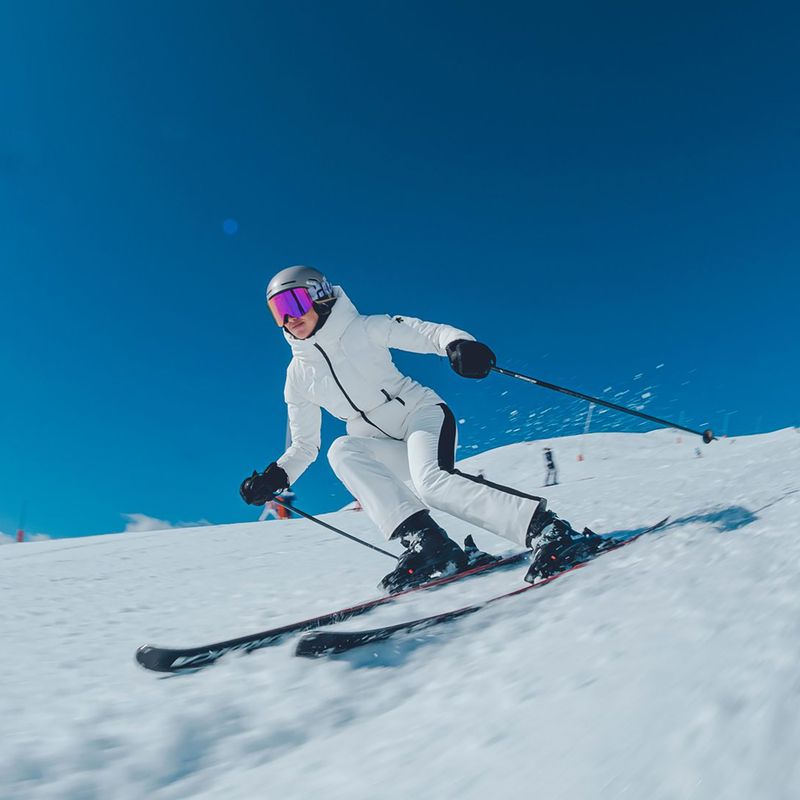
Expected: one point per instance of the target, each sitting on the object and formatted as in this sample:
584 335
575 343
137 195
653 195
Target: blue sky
607 195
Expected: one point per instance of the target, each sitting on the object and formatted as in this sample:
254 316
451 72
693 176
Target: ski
323 643
191 659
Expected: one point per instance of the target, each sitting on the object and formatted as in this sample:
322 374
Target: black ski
322 643
190 659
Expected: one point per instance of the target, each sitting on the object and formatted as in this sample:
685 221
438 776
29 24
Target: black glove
263 486
470 359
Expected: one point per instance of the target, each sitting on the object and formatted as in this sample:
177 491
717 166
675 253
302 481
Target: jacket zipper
348 398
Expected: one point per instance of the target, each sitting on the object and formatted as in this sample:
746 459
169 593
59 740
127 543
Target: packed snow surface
665 671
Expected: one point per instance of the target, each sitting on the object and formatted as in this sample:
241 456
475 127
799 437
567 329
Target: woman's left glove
470 359
263 486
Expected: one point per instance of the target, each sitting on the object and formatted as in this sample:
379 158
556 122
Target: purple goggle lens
291 303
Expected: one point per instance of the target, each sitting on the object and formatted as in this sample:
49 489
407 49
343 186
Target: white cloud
141 522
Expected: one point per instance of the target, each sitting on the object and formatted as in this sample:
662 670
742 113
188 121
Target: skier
270 511
397 430
551 479
288 496
278 510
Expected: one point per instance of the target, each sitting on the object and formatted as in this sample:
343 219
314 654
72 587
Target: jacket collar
342 314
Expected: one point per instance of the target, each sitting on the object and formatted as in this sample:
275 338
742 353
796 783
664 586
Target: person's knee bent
339 450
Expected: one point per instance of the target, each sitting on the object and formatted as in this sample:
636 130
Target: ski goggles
291 303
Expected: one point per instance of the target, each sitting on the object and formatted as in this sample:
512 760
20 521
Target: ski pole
332 528
707 434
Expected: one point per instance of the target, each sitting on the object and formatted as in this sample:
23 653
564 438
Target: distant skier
277 510
270 511
551 478
397 430
287 496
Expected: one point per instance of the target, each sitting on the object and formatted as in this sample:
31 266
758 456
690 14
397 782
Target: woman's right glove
470 359
263 486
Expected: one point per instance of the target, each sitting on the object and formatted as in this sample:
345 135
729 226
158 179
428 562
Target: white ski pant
375 471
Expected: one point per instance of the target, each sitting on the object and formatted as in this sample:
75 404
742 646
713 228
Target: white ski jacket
346 368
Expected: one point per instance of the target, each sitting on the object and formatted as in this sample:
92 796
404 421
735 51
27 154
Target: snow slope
666 671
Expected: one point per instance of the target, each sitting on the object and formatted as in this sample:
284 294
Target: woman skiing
397 431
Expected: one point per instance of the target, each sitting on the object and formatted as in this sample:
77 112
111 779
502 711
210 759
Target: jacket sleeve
414 335
305 420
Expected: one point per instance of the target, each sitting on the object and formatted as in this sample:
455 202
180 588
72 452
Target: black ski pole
707 434
297 511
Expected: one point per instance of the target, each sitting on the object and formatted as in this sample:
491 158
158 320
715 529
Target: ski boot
556 546
429 554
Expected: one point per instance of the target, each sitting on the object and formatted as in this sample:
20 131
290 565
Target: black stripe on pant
447 457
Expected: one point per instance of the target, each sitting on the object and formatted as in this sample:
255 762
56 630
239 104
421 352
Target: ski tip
144 656
155 659
142 652
313 645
